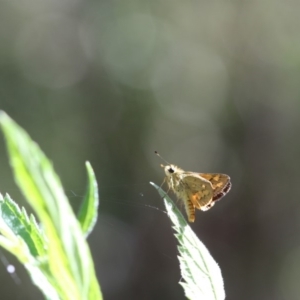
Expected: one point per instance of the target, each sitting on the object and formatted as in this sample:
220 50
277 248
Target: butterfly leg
167 192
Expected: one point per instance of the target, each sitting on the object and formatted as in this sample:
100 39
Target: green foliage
201 274
56 255
87 215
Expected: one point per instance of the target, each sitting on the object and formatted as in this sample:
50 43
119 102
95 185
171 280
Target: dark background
214 86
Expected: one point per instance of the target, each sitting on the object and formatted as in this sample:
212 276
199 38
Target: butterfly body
196 190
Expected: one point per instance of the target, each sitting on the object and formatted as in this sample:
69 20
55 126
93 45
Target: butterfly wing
221 184
199 191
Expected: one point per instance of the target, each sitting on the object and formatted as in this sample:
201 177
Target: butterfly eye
171 170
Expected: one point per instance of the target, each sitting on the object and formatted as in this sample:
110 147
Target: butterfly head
170 169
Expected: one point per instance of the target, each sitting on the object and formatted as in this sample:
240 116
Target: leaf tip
3 116
153 184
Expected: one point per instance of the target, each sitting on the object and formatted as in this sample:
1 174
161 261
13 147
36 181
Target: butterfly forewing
220 183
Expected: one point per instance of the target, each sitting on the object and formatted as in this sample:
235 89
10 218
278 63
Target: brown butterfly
196 190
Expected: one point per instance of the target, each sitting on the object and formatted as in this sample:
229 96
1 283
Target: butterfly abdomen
189 208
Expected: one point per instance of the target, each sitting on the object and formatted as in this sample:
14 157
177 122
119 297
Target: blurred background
214 86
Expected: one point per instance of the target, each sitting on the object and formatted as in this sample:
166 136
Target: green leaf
69 260
23 238
19 223
88 212
202 275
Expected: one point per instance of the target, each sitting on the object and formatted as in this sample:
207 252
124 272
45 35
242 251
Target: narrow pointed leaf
69 257
88 212
201 274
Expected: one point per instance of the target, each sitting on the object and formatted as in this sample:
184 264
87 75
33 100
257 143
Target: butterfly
196 190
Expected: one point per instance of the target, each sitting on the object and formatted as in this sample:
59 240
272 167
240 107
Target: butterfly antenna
161 157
